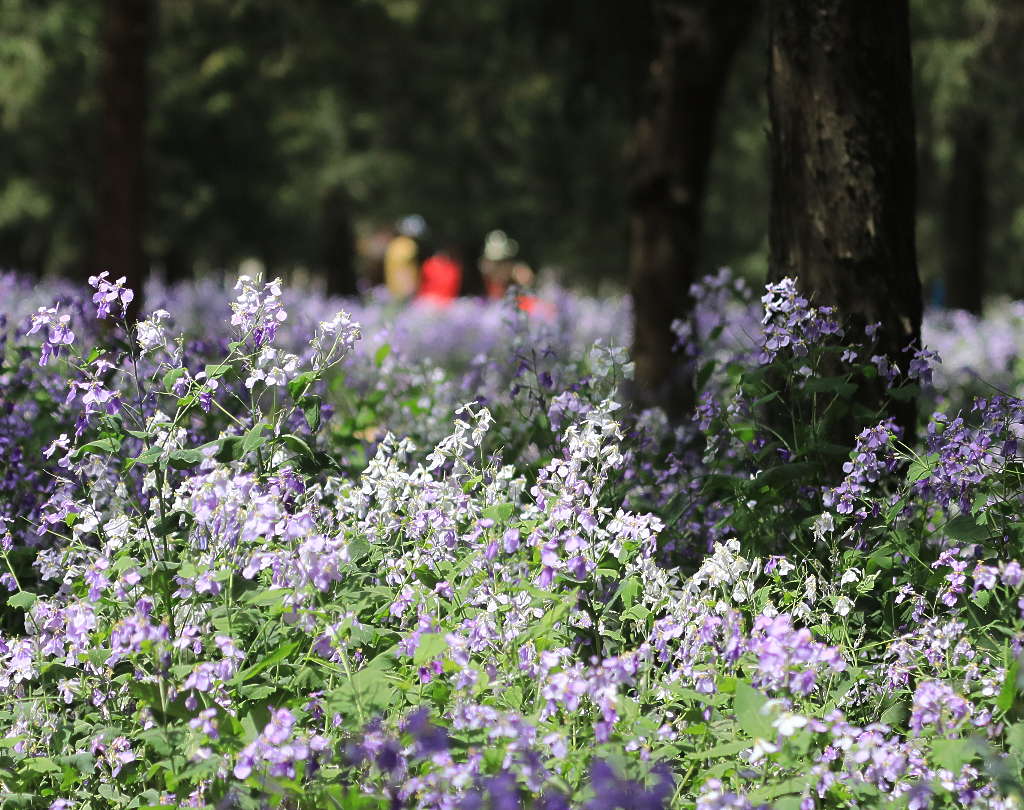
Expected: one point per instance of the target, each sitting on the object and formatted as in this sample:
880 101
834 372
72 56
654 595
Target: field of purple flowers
263 549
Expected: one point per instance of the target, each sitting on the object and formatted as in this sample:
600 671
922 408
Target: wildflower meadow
261 549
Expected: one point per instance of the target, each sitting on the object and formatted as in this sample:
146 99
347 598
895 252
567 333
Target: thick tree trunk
966 216
122 187
672 147
843 165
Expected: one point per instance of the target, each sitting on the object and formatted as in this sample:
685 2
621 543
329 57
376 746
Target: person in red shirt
440 279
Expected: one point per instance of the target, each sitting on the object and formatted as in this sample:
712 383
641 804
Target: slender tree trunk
122 187
338 244
472 279
966 216
991 87
843 165
177 264
672 146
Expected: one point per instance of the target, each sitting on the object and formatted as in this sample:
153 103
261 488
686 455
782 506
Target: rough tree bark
670 154
121 194
843 165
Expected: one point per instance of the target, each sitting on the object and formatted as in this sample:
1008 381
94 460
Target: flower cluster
257 312
111 297
57 332
378 560
791 323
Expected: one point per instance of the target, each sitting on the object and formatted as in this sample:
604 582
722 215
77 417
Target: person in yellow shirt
401 259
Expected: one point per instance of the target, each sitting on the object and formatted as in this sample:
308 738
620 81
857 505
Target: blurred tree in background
284 131
121 184
670 156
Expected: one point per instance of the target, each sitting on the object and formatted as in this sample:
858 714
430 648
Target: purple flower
791 323
936 704
110 296
58 332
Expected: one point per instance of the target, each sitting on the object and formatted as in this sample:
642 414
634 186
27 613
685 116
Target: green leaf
745 432
254 438
276 657
150 456
218 370
921 467
954 754
367 692
787 473
230 448
171 377
184 459
629 590
311 410
110 444
748 705
256 691
381 354
1009 689
358 548
558 612
795 784
637 613
704 374
832 385
40 765
297 386
295 444
366 417
964 528
1015 741
724 750
499 513
894 715
905 393
22 599
430 647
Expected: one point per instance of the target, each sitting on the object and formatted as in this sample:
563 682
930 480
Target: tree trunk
672 147
122 188
338 244
966 223
843 166
991 87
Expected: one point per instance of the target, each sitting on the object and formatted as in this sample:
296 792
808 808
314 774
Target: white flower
843 606
811 590
788 723
824 525
743 590
150 332
760 750
850 575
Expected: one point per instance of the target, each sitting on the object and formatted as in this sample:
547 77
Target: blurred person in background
402 258
440 278
497 263
502 270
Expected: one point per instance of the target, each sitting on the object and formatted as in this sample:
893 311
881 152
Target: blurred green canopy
268 121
